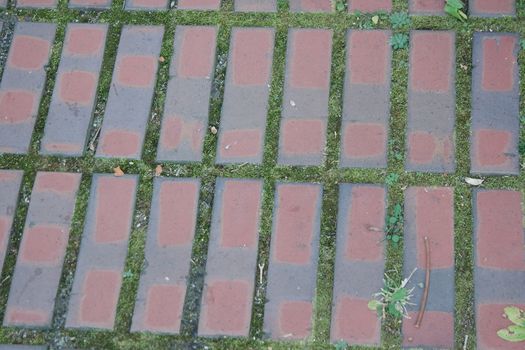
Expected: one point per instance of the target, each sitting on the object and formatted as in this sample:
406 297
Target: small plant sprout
393 299
455 9
399 20
516 331
399 41
394 225
340 6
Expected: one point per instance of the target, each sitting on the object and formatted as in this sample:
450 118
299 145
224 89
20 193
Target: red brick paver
103 250
39 263
23 83
232 257
241 137
162 288
36 3
305 102
10 181
3 3
186 108
199 4
368 6
360 263
495 104
147 4
499 257
311 6
492 8
429 212
292 273
75 91
426 7
129 102
431 102
96 4
255 5
366 106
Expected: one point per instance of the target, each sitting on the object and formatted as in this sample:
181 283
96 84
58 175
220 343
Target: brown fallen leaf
118 172
213 130
158 170
162 59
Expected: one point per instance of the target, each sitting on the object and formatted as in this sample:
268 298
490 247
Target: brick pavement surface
71 110
241 136
173 292
495 105
187 99
36 3
431 102
23 84
42 249
305 102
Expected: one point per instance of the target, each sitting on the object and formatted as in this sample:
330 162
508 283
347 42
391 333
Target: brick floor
241 136
305 102
359 265
499 257
42 250
274 235
23 83
495 105
103 250
71 110
292 273
492 8
162 288
3 3
185 119
366 106
431 102
131 93
429 213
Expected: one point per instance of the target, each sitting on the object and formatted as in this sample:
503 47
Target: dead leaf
162 59
213 130
375 19
473 182
118 172
158 170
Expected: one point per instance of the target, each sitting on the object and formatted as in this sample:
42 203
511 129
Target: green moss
329 174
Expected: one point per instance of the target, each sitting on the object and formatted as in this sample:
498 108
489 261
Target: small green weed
340 6
394 225
399 41
399 20
522 44
393 298
516 331
455 9
341 345
391 179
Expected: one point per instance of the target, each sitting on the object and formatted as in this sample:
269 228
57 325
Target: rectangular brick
162 288
146 5
427 7
359 264
36 4
292 272
3 3
199 4
131 93
23 84
305 102
366 105
495 105
429 214
226 306
311 6
22 347
75 91
499 262
241 135
42 249
431 102
10 181
103 250
255 5
90 4
492 8
369 6
185 119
